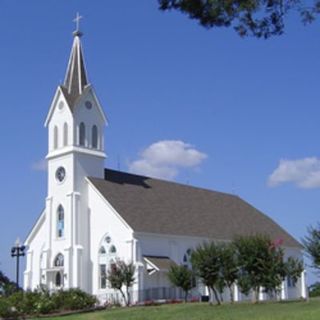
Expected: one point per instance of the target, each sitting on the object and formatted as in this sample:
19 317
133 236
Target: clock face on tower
60 174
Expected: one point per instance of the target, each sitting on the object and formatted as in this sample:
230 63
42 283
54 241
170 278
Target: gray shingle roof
162 207
76 76
162 263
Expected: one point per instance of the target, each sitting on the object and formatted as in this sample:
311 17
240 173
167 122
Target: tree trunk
186 296
216 295
255 295
124 297
221 296
210 296
128 297
231 293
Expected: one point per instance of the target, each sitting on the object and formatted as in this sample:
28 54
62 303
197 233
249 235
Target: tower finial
77 19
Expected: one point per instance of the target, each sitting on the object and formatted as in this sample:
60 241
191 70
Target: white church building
93 215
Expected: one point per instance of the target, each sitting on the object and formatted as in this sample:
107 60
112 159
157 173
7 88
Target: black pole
17 269
18 251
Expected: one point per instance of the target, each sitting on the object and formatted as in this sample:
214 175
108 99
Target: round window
60 105
60 174
88 104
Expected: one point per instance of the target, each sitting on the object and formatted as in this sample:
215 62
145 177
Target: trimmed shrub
45 304
16 301
73 299
6 309
25 302
22 304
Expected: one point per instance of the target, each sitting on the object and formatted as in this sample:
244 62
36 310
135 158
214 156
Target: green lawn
195 311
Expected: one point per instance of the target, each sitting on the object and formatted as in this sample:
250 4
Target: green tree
314 290
206 262
182 277
7 287
259 18
311 244
262 265
293 268
122 274
258 260
229 267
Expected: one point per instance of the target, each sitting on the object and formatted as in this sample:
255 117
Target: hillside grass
201 311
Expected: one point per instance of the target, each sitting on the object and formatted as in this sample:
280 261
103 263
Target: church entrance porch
53 278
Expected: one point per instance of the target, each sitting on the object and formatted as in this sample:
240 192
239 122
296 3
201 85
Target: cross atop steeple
77 19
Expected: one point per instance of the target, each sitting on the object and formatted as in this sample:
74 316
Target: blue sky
235 106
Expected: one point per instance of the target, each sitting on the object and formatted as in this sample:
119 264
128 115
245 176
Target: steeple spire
76 75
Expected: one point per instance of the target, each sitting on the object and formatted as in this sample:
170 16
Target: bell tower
75 124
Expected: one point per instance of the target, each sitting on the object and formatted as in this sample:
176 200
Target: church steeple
76 118
76 78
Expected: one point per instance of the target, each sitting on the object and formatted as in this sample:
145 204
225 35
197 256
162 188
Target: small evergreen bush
21 303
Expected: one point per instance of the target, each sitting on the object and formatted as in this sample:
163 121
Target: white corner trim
69 149
105 119
35 228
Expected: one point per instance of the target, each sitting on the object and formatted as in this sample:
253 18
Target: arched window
94 137
102 250
82 134
113 249
187 258
103 276
59 260
55 137
107 254
58 279
65 134
60 221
